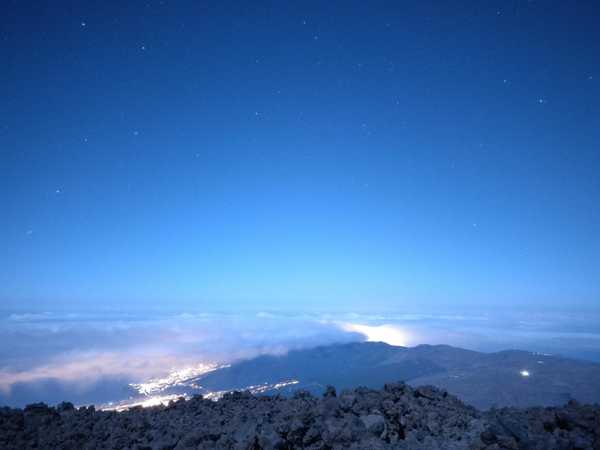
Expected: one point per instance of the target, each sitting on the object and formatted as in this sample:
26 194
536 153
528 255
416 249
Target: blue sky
346 156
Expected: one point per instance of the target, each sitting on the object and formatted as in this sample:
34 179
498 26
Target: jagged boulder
396 417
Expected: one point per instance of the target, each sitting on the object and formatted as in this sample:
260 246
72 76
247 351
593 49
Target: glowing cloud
390 334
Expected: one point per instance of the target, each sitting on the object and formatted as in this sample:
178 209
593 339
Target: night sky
399 156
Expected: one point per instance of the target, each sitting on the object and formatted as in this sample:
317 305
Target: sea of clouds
92 357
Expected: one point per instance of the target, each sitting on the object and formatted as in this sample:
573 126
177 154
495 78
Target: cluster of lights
174 378
150 391
255 389
144 403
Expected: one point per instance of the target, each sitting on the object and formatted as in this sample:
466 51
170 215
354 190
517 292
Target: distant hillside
507 378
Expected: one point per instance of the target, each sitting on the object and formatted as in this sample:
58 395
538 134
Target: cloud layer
93 357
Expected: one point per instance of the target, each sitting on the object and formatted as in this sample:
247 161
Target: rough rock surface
397 417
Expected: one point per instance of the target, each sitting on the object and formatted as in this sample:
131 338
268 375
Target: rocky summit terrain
396 417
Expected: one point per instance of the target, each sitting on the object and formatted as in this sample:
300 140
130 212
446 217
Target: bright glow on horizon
390 334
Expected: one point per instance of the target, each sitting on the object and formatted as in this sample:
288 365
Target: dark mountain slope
368 364
507 378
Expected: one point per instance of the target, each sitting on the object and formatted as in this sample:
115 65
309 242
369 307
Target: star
83 24
58 191
541 101
143 47
136 132
29 232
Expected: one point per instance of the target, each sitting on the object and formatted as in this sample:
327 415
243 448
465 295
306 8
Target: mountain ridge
504 378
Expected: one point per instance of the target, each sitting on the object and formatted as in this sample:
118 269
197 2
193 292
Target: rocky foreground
397 417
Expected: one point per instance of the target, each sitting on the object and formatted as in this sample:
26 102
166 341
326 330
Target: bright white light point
524 373
143 47
389 334
83 24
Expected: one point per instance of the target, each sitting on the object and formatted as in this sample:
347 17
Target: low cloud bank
91 358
